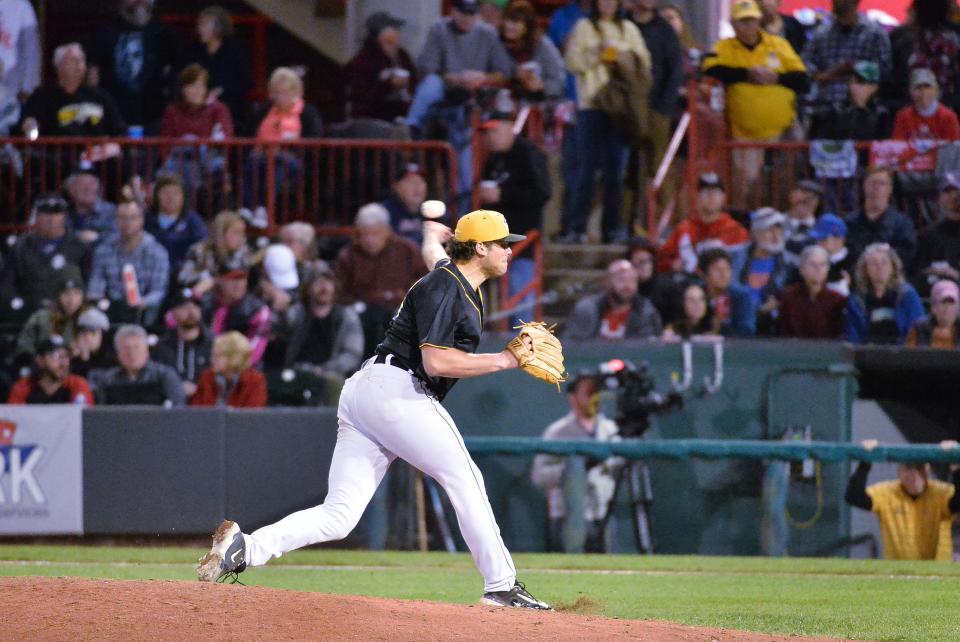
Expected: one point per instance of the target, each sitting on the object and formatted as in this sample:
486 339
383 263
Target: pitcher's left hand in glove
541 354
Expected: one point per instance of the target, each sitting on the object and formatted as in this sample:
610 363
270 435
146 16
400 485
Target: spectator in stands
861 115
461 54
879 221
936 45
883 307
515 180
830 233
137 379
407 194
583 422
231 380
20 56
695 318
561 26
174 226
927 118
286 118
730 302
762 268
131 270
59 317
196 113
940 328
69 107
226 248
381 76
658 287
619 312
539 69
186 347
325 339
90 216
833 50
711 226
50 380
135 60
914 511
231 307
225 59
596 44
378 266
89 350
31 268
301 238
809 310
763 76
492 12
938 249
279 279
688 42
780 24
666 70
804 207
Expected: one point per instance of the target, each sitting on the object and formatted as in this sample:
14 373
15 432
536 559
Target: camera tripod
635 477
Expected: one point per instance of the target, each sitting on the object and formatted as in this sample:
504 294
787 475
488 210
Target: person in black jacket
861 116
938 249
780 24
135 59
381 76
187 347
515 181
226 61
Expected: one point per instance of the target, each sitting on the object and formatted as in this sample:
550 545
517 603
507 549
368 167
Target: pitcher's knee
338 521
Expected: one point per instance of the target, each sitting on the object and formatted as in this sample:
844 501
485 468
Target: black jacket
939 242
188 359
31 274
846 121
524 184
666 60
229 69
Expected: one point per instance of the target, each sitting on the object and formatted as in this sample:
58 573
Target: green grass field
867 600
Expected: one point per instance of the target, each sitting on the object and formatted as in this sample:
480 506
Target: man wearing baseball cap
761 267
804 204
187 347
938 248
939 329
381 77
927 118
392 408
710 227
50 380
861 116
58 317
763 76
830 233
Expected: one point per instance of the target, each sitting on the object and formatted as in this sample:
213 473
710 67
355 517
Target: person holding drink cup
381 77
540 73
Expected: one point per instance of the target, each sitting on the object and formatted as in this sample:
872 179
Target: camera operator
572 481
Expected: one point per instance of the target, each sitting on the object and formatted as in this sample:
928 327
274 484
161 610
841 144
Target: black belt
392 359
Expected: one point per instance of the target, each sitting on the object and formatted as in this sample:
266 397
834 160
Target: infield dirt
38 608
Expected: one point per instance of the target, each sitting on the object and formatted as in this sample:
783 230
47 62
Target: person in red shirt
196 115
711 227
810 310
230 381
51 381
927 118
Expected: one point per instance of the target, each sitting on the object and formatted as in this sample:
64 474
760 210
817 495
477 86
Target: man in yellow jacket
914 511
763 76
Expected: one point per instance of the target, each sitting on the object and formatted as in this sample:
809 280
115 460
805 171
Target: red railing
322 182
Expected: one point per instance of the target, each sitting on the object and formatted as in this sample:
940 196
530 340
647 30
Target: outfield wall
165 472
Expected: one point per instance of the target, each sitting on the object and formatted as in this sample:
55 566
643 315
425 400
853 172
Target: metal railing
322 182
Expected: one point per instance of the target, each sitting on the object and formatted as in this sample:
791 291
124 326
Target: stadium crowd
130 293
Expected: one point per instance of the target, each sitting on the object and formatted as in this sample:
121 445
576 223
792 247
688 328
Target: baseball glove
543 358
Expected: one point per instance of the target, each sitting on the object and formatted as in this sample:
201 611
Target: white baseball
433 209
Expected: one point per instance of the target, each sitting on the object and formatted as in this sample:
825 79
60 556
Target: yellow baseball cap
745 9
484 226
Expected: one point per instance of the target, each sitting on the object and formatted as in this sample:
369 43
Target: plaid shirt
150 261
833 45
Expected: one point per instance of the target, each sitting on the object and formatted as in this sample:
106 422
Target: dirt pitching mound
38 608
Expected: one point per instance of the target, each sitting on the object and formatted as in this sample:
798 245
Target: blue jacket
740 264
177 238
743 313
909 309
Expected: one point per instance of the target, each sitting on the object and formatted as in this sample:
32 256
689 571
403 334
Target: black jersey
440 310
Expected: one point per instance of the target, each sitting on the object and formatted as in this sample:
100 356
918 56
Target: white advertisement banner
41 470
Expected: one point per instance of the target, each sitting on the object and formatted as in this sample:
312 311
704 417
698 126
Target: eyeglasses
504 244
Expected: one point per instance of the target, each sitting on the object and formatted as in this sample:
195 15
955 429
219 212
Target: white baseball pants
384 414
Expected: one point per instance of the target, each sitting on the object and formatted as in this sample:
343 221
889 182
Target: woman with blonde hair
883 306
227 247
230 381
